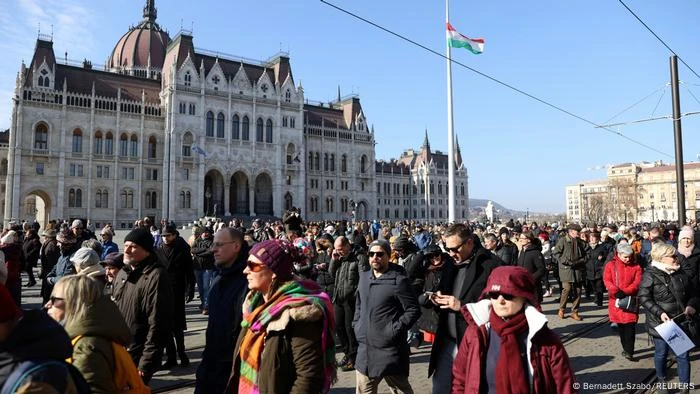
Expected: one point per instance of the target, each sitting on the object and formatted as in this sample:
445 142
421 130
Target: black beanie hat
141 237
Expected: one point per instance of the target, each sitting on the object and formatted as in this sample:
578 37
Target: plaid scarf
259 313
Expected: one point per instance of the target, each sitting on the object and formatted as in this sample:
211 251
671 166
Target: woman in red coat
622 277
506 320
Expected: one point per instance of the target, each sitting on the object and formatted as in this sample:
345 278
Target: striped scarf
259 313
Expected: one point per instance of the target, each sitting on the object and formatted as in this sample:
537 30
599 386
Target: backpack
53 373
126 375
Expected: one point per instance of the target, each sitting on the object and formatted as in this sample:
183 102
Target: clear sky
589 57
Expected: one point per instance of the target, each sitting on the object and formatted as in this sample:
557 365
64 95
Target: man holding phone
462 282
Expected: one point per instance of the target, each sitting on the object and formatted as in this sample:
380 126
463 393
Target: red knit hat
511 280
8 308
277 255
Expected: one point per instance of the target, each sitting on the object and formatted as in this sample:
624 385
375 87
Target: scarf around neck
663 267
260 313
510 373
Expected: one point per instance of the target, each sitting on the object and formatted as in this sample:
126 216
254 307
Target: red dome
141 42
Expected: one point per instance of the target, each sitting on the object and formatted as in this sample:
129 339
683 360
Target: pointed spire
338 93
426 143
458 154
149 11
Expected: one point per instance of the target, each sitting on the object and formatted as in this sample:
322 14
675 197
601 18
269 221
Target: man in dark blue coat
226 297
385 308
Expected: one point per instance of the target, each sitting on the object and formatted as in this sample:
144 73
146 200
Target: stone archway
361 211
37 206
263 195
239 195
213 194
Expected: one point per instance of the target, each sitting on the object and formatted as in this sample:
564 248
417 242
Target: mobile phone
429 294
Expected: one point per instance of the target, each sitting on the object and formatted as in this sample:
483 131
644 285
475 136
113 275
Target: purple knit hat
277 255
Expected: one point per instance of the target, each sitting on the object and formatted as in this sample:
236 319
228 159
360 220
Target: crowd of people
283 297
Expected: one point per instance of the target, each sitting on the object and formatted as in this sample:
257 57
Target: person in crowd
462 282
108 246
226 296
345 268
176 254
31 246
204 269
68 245
597 258
413 261
304 267
94 245
48 255
435 259
87 263
143 293
112 264
286 341
507 346
93 322
530 258
80 232
647 242
11 248
321 262
666 292
689 253
422 237
386 308
507 251
491 243
548 262
570 253
259 233
29 339
622 278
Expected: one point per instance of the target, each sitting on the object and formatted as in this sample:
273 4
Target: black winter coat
415 270
144 297
346 274
690 265
508 253
323 276
661 293
203 257
385 308
531 259
31 248
226 296
177 259
595 265
429 316
478 271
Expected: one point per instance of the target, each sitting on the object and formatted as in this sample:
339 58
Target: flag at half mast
457 40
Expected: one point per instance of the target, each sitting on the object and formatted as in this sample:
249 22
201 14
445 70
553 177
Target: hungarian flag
458 40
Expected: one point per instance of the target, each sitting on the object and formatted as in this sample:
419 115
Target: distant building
640 192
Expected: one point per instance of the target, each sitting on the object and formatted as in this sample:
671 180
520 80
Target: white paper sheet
675 337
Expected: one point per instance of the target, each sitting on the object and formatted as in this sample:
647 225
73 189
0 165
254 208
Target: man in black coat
413 261
463 281
385 308
226 296
596 265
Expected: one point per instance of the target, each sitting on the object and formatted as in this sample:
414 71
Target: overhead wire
658 38
637 103
493 79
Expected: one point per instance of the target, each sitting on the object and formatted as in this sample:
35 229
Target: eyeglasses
54 299
456 248
494 296
378 254
220 244
255 267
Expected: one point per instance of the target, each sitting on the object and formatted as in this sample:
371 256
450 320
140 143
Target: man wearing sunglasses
462 282
386 307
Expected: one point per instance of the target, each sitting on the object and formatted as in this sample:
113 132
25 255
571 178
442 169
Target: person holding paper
622 277
666 291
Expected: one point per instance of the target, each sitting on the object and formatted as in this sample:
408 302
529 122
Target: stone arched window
77 141
246 129
109 144
41 136
134 146
151 200
152 147
363 164
220 119
332 162
235 128
185 199
123 145
126 198
98 143
187 145
102 198
344 163
75 198
259 130
325 162
268 131
210 124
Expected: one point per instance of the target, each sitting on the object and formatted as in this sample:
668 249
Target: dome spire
149 11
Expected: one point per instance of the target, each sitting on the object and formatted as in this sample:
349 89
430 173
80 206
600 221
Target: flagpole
450 128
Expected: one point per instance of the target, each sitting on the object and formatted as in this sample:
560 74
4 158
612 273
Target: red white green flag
457 40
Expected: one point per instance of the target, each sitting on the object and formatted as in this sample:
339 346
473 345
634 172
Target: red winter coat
629 275
549 364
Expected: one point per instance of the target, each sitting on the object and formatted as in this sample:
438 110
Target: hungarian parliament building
167 130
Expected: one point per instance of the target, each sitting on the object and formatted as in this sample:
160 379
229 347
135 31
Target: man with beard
143 294
226 297
68 245
175 253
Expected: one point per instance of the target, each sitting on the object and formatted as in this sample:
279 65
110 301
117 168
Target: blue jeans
442 377
661 350
204 279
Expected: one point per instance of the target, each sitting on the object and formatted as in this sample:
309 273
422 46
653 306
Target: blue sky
589 57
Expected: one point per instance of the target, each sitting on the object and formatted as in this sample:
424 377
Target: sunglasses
378 254
254 267
55 299
456 248
494 296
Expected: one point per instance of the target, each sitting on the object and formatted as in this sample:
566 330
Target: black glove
620 294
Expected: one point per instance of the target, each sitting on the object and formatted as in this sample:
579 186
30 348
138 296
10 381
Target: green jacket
92 353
